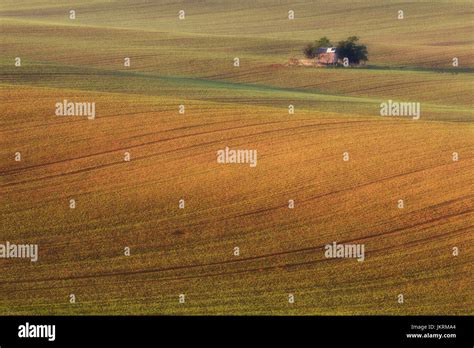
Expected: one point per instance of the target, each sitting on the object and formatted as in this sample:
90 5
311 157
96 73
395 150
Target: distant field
190 251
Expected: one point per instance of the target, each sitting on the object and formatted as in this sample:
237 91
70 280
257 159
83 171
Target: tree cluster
350 49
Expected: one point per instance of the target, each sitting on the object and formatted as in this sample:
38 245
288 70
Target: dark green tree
323 42
311 50
352 50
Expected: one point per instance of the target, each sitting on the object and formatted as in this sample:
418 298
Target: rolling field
135 204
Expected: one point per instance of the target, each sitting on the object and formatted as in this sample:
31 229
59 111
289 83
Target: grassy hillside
300 157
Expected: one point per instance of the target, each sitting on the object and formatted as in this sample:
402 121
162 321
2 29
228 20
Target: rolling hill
135 204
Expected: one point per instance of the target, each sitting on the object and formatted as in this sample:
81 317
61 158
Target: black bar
332 330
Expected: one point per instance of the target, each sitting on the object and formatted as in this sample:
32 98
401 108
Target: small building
326 55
